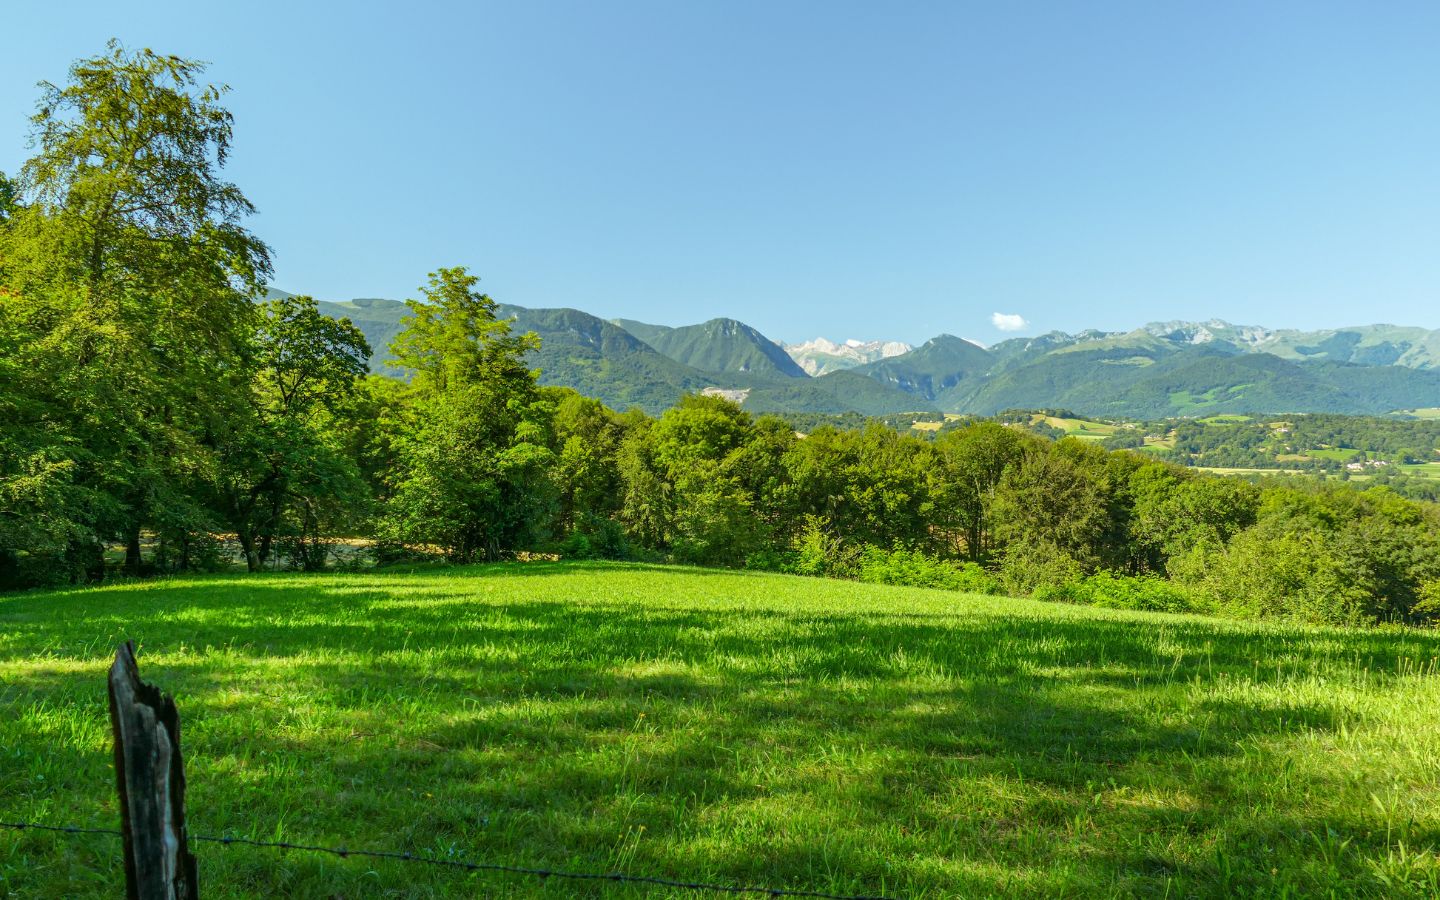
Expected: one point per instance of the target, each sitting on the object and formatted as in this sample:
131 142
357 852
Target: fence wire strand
542 874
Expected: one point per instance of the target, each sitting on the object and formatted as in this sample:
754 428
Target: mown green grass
735 727
1336 454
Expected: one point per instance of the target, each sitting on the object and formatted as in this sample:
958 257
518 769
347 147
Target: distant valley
1159 370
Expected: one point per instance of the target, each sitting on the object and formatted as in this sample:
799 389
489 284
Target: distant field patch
1227 420
1080 428
1337 454
1423 470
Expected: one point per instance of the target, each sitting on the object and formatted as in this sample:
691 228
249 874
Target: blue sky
854 170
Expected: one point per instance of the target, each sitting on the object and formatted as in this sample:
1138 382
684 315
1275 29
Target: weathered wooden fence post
151 779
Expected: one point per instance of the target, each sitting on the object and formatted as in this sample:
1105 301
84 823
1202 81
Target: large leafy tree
587 439
126 308
869 485
475 456
698 451
969 465
8 193
288 468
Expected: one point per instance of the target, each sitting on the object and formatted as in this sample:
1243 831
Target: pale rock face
822 355
1213 330
734 395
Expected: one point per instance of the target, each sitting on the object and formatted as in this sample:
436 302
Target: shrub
814 553
915 569
716 525
1030 565
23 570
1428 608
596 537
1111 591
1297 576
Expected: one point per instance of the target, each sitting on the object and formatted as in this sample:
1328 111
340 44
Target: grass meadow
726 726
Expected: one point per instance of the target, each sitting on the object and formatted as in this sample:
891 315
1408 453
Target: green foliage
1295 576
820 554
287 473
1029 564
699 448
594 537
914 568
970 463
125 315
587 471
1056 498
453 338
1428 607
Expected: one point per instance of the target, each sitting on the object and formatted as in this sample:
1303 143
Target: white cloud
1008 321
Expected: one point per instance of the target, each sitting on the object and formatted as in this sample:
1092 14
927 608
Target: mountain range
1160 370
822 356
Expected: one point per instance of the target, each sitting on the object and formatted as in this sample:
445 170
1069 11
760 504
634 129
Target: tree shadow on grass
936 754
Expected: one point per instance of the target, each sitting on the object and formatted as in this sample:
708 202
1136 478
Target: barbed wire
542 874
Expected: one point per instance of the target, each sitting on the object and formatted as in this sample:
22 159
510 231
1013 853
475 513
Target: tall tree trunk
132 551
267 540
93 556
247 546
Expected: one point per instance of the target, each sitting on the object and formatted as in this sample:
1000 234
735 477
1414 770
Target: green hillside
729 727
1073 379
719 345
1142 383
602 360
650 334
932 369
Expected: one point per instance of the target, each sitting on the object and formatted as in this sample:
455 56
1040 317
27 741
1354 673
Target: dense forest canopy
153 400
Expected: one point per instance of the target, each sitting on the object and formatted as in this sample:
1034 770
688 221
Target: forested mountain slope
1160 370
932 369
603 360
719 345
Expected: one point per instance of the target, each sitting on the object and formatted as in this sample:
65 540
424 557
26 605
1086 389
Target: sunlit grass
731 727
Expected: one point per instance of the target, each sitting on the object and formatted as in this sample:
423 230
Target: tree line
1279 441
154 402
